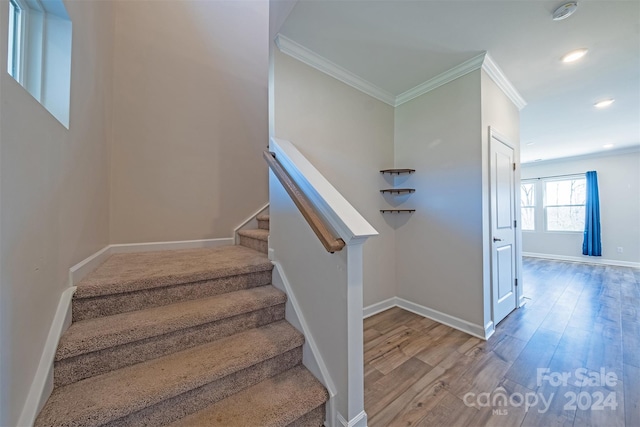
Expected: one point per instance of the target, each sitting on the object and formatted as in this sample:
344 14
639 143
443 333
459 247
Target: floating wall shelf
397 171
397 210
398 190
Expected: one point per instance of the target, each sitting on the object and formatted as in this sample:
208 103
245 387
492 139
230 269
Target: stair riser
194 400
255 244
313 418
87 365
88 308
263 224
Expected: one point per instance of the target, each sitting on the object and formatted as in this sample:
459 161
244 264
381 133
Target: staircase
193 337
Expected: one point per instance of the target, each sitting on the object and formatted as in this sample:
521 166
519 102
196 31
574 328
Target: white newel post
356 416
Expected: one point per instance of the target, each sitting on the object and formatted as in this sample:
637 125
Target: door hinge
516 283
515 223
514 166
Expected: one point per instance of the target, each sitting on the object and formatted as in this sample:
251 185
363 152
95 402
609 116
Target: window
528 206
564 202
39 52
15 37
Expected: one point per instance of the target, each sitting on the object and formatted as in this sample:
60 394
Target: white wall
190 118
619 188
54 194
439 249
348 137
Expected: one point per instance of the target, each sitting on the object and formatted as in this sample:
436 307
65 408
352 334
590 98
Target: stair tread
122 273
104 332
103 398
276 401
255 233
263 217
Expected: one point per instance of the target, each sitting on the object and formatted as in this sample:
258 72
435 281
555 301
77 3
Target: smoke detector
565 11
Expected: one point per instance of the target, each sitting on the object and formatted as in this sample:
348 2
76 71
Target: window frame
544 182
532 181
18 17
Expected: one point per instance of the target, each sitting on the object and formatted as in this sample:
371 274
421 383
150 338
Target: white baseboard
583 259
87 265
250 222
359 420
311 356
489 329
379 307
445 319
42 384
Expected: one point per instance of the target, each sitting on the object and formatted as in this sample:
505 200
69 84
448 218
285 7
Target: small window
528 206
564 204
14 57
39 52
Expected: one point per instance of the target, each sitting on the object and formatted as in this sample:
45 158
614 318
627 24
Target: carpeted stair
191 337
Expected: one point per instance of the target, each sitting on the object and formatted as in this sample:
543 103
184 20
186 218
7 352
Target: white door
503 236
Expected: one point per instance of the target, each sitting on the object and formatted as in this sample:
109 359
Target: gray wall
439 249
54 195
348 136
190 118
619 188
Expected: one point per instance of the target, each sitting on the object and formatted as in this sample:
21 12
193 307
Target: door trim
494 134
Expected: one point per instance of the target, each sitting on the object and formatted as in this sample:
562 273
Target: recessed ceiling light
530 143
565 11
607 146
537 160
604 103
574 55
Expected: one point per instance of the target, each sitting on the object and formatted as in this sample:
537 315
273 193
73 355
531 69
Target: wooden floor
577 317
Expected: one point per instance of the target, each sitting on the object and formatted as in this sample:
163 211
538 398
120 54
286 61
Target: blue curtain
591 245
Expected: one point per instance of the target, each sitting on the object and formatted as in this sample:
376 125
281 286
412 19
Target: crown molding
496 74
312 59
441 79
320 63
631 149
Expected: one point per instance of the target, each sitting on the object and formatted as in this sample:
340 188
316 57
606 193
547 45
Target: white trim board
359 420
250 221
42 384
583 259
320 63
446 319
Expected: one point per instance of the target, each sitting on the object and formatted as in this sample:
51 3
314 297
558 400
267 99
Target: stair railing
329 241
325 290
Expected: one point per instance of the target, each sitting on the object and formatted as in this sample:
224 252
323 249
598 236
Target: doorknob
495 239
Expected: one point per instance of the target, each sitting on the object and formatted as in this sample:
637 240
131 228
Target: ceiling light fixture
530 143
607 146
604 103
574 55
565 11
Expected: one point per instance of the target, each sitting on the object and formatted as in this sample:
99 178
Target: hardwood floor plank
379 392
601 406
631 343
536 354
631 395
450 411
551 409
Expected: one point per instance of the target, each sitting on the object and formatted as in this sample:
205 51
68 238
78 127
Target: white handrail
341 215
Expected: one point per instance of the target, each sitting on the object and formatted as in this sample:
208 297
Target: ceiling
399 44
